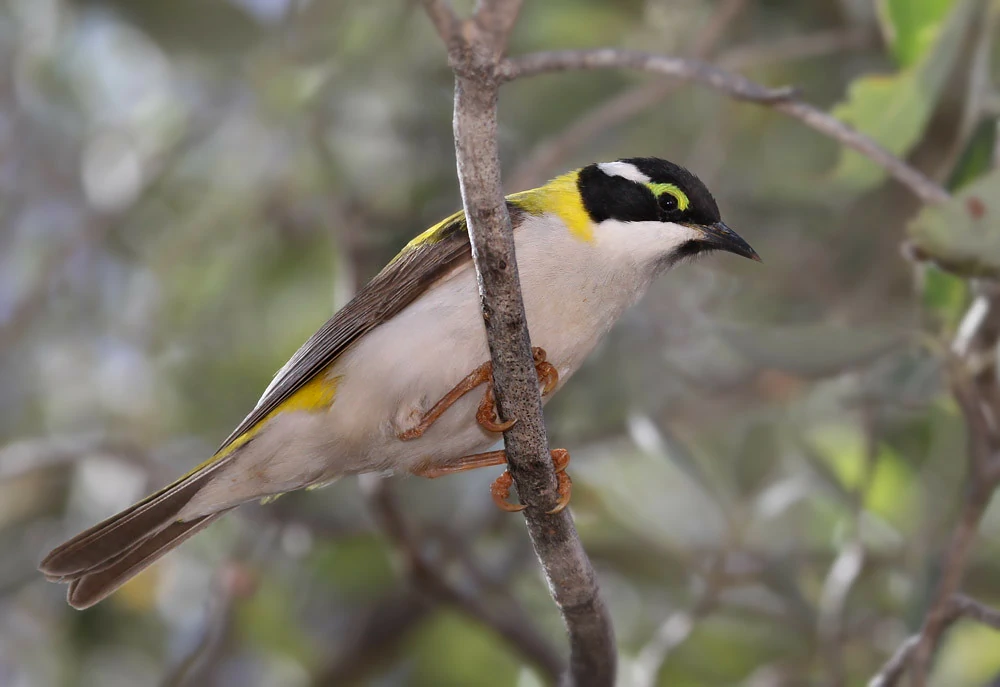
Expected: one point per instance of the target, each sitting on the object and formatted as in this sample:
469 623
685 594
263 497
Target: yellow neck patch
561 197
683 202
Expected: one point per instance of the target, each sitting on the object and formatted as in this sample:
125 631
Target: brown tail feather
101 559
110 539
88 588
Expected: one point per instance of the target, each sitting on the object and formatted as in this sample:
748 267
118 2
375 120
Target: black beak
720 237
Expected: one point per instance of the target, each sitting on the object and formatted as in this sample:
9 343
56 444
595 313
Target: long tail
98 561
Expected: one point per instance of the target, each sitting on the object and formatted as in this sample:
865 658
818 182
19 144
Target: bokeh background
766 460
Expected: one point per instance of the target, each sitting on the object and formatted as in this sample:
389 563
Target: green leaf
977 158
893 109
910 27
946 295
963 234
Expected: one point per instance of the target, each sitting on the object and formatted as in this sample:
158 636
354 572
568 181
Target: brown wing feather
396 286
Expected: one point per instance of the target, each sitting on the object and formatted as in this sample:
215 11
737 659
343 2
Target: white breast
574 291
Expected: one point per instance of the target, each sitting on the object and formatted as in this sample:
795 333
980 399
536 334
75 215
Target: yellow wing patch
683 202
316 394
431 235
561 196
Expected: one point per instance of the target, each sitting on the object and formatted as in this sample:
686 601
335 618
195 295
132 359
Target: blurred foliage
188 188
894 108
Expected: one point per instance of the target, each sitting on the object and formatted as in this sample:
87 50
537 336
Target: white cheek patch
643 242
625 170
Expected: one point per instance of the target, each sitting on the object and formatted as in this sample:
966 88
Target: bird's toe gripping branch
500 489
486 415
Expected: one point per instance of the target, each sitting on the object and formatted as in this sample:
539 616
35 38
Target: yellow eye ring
683 202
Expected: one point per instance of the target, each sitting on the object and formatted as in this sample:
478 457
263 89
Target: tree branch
955 608
475 57
536 166
548 154
445 21
736 87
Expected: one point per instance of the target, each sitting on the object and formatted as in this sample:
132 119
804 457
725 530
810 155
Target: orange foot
486 415
500 489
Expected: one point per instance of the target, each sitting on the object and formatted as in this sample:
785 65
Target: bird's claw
486 416
500 489
565 491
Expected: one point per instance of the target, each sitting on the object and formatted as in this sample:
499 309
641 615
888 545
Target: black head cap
644 189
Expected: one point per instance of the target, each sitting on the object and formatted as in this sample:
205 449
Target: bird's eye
668 205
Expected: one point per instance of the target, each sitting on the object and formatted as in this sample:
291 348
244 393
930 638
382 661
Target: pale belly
399 370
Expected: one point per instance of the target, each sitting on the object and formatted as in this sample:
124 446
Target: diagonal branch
953 609
551 152
623 106
736 87
445 21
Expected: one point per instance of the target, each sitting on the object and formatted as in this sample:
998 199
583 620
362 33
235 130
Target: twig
967 607
677 628
445 21
374 633
849 563
235 582
955 608
476 58
735 86
547 155
509 620
895 667
623 106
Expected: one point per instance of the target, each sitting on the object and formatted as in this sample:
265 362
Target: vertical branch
475 56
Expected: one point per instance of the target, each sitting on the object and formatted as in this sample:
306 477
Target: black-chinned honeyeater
398 380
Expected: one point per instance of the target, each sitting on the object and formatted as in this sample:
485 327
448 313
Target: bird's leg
500 489
486 415
481 374
476 460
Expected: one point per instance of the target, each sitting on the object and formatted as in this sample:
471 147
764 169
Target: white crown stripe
626 170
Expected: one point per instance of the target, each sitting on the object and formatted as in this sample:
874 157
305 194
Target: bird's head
660 205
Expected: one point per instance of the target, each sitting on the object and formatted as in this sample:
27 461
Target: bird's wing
424 260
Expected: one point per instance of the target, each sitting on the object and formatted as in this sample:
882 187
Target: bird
399 379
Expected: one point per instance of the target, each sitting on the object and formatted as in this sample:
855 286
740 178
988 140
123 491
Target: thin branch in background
374 634
894 668
677 628
507 619
735 86
445 21
954 609
850 561
236 581
550 154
